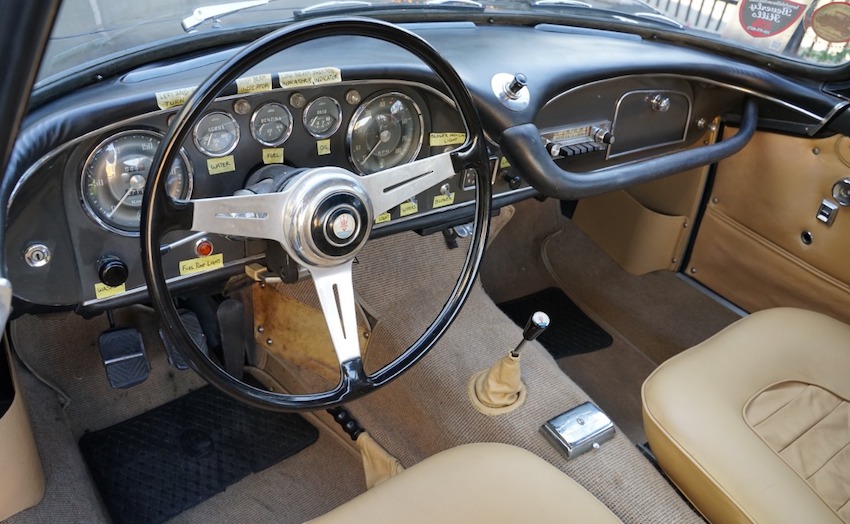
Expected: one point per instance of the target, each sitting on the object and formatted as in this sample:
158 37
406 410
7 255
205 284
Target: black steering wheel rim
160 214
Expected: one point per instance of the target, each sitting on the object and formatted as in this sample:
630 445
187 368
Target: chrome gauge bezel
230 148
285 136
359 112
84 199
333 129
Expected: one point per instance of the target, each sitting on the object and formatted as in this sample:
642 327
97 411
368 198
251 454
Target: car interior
425 261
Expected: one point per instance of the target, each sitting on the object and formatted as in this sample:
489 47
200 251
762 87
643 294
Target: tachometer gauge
114 178
216 134
271 124
385 131
322 117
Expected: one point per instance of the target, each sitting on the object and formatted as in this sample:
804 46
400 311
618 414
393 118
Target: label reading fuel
101 290
217 166
198 265
273 155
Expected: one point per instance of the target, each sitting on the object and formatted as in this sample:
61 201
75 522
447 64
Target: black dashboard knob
603 135
515 85
112 271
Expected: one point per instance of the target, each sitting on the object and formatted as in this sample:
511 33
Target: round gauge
114 178
271 124
322 117
216 134
841 191
385 131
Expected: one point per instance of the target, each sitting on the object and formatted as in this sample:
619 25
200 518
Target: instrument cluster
363 127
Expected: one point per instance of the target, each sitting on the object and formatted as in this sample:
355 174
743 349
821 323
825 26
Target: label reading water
254 84
323 147
101 290
198 265
446 139
173 98
273 155
408 208
383 217
443 200
217 166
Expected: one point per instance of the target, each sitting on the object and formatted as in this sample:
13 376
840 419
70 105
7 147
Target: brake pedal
193 326
124 357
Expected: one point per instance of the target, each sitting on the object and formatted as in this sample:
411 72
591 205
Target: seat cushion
753 425
489 483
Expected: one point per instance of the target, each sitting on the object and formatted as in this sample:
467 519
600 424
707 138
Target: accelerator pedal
124 357
193 326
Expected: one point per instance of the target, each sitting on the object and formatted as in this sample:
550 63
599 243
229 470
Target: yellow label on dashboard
504 164
446 139
254 84
443 200
408 208
217 166
273 155
198 265
310 77
101 290
173 98
383 217
323 147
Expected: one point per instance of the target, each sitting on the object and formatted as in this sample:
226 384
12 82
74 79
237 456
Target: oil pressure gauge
386 131
322 117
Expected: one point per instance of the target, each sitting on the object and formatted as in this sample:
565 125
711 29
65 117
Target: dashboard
82 161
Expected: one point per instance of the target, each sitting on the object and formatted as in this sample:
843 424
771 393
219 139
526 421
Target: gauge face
114 178
322 117
271 124
216 134
385 131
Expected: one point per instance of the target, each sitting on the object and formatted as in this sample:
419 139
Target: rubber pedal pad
124 357
193 326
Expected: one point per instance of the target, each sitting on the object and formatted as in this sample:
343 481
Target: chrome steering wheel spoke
254 216
391 187
336 295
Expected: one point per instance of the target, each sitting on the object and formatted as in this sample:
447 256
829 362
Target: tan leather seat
753 425
489 483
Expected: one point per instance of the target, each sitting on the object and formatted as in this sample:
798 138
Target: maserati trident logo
344 225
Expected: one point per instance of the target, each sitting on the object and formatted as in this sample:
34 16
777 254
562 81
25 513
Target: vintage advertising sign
765 18
768 24
831 22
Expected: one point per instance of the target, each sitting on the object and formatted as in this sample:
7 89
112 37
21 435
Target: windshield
811 31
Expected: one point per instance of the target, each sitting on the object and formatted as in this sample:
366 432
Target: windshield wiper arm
350 6
202 14
632 18
560 3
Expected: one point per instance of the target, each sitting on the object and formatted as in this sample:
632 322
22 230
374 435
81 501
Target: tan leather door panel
750 247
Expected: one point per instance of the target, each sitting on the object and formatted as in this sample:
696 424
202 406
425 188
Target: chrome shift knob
537 324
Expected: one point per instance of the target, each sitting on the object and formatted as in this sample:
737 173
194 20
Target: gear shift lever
499 388
536 325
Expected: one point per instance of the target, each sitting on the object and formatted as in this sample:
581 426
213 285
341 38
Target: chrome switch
827 211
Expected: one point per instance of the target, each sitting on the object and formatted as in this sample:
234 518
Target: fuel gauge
271 124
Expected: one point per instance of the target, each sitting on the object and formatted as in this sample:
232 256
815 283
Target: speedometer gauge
385 131
115 175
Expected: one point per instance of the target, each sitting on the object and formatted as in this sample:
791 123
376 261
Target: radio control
603 135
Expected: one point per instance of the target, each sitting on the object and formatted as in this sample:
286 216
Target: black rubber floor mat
570 331
163 462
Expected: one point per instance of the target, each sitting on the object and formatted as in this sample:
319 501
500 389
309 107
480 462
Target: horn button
338 225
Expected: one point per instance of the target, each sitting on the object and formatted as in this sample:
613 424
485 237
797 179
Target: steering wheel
322 218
